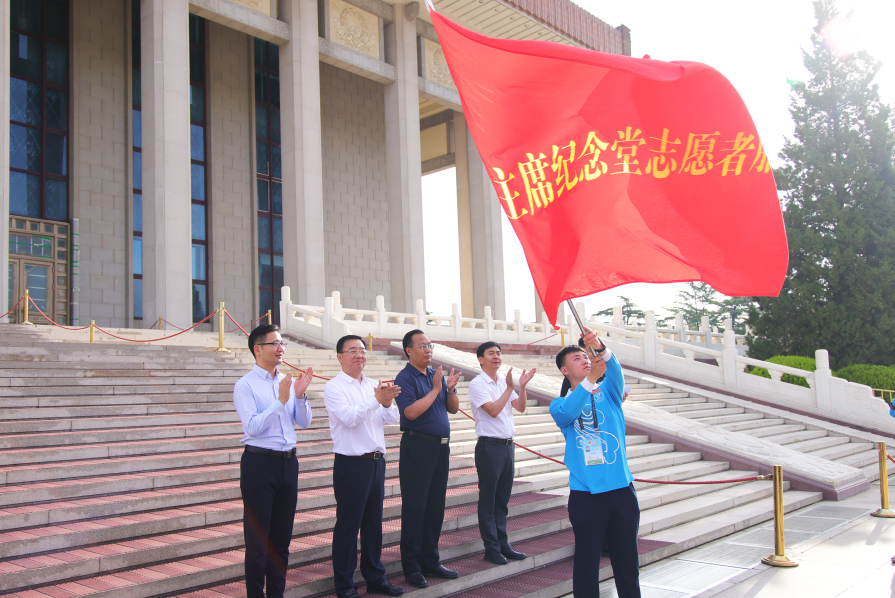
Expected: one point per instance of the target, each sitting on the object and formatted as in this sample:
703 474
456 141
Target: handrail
152 340
757 363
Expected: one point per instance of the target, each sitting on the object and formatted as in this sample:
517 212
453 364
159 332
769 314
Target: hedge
793 361
874 376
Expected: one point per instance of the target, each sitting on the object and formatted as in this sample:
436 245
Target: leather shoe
513 555
497 559
442 572
416 580
386 588
352 593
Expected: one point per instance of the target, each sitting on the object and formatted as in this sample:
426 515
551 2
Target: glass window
57 109
24 56
57 73
25 15
197 65
24 194
200 302
277 198
277 271
57 20
24 148
262 156
276 164
138 128
263 199
138 255
263 232
138 297
198 262
57 199
24 101
138 170
275 126
197 143
36 281
138 212
197 103
264 272
197 181
137 87
56 159
198 221
260 121
278 235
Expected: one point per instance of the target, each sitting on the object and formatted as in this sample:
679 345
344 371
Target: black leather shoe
352 593
417 580
386 588
513 555
497 559
442 572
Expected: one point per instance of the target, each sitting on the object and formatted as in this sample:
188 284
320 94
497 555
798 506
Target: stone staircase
789 432
119 477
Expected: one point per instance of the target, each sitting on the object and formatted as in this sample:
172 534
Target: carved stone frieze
354 28
262 6
436 65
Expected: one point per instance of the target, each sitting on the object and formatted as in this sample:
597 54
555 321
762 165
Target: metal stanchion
159 322
92 327
884 510
562 336
779 558
269 318
221 313
25 321
370 342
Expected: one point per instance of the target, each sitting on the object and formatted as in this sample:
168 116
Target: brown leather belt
264 451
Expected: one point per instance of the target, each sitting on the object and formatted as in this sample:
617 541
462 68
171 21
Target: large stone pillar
303 254
167 267
464 224
4 158
487 238
403 167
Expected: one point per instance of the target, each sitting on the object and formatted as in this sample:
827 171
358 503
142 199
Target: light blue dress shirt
268 423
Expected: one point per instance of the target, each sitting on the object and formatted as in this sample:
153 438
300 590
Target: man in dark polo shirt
426 399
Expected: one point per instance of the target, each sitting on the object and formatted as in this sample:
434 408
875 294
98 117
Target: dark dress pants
269 486
359 487
423 471
495 463
615 517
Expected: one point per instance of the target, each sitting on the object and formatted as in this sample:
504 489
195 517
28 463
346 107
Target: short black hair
561 356
259 333
345 339
480 352
408 340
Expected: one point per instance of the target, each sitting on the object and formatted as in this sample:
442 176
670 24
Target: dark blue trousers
423 470
359 486
495 463
612 516
269 487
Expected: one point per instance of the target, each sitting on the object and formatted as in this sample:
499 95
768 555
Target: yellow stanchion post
92 326
26 301
562 336
779 558
159 322
221 312
269 318
884 510
370 341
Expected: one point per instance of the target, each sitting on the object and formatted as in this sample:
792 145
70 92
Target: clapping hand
436 379
385 393
526 377
303 382
510 384
285 383
452 381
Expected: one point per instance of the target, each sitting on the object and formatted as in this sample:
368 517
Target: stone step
793 437
866 461
808 446
718 419
703 407
713 413
752 424
774 430
664 402
834 453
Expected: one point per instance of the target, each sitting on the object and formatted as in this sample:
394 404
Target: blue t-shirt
566 411
415 385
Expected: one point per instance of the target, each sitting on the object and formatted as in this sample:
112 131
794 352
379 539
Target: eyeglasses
276 344
355 352
430 346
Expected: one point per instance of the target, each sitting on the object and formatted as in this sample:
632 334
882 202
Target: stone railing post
420 313
325 320
681 329
729 357
381 316
285 300
338 310
546 322
489 323
617 316
706 328
517 318
650 335
456 319
822 377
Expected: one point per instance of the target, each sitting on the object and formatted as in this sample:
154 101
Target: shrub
874 376
793 361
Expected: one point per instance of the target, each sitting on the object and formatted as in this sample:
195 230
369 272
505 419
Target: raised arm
253 421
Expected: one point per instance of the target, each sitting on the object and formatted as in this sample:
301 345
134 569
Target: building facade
162 156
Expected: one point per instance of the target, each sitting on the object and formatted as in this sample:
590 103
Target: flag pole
580 324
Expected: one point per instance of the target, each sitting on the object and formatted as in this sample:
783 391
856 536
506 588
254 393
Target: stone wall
99 180
232 214
355 203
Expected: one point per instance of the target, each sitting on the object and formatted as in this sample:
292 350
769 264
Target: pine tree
697 300
630 313
839 213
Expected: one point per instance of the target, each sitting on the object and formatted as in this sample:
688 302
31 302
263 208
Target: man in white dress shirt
269 406
358 407
493 399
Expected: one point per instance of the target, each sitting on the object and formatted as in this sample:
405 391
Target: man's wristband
452 392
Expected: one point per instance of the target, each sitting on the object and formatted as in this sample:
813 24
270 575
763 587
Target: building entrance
38 261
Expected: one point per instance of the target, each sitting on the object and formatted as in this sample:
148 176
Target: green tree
839 212
697 300
630 313
736 308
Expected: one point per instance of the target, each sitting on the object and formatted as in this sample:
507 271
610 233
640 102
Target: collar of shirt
344 378
265 375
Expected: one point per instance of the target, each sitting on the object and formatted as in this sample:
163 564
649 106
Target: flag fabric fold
615 169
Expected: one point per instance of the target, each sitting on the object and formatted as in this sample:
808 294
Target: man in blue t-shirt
426 399
602 501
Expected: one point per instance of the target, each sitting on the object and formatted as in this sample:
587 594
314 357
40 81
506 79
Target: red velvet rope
13 307
543 456
152 340
31 301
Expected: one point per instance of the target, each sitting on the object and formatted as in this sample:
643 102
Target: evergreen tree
839 216
697 300
630 313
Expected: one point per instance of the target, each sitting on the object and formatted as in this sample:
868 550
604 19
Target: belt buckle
509 441
444 440
377 455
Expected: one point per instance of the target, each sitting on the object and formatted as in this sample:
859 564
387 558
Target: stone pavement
842 552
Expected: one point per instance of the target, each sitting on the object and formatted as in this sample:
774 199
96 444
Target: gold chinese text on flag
615 169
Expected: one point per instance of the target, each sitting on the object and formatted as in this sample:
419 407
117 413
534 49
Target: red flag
615 169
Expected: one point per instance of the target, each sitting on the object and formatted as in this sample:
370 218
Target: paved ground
842 552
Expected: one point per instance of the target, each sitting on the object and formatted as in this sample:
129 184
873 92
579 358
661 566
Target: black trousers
423 471
615 517
269 487
359 486
495 463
